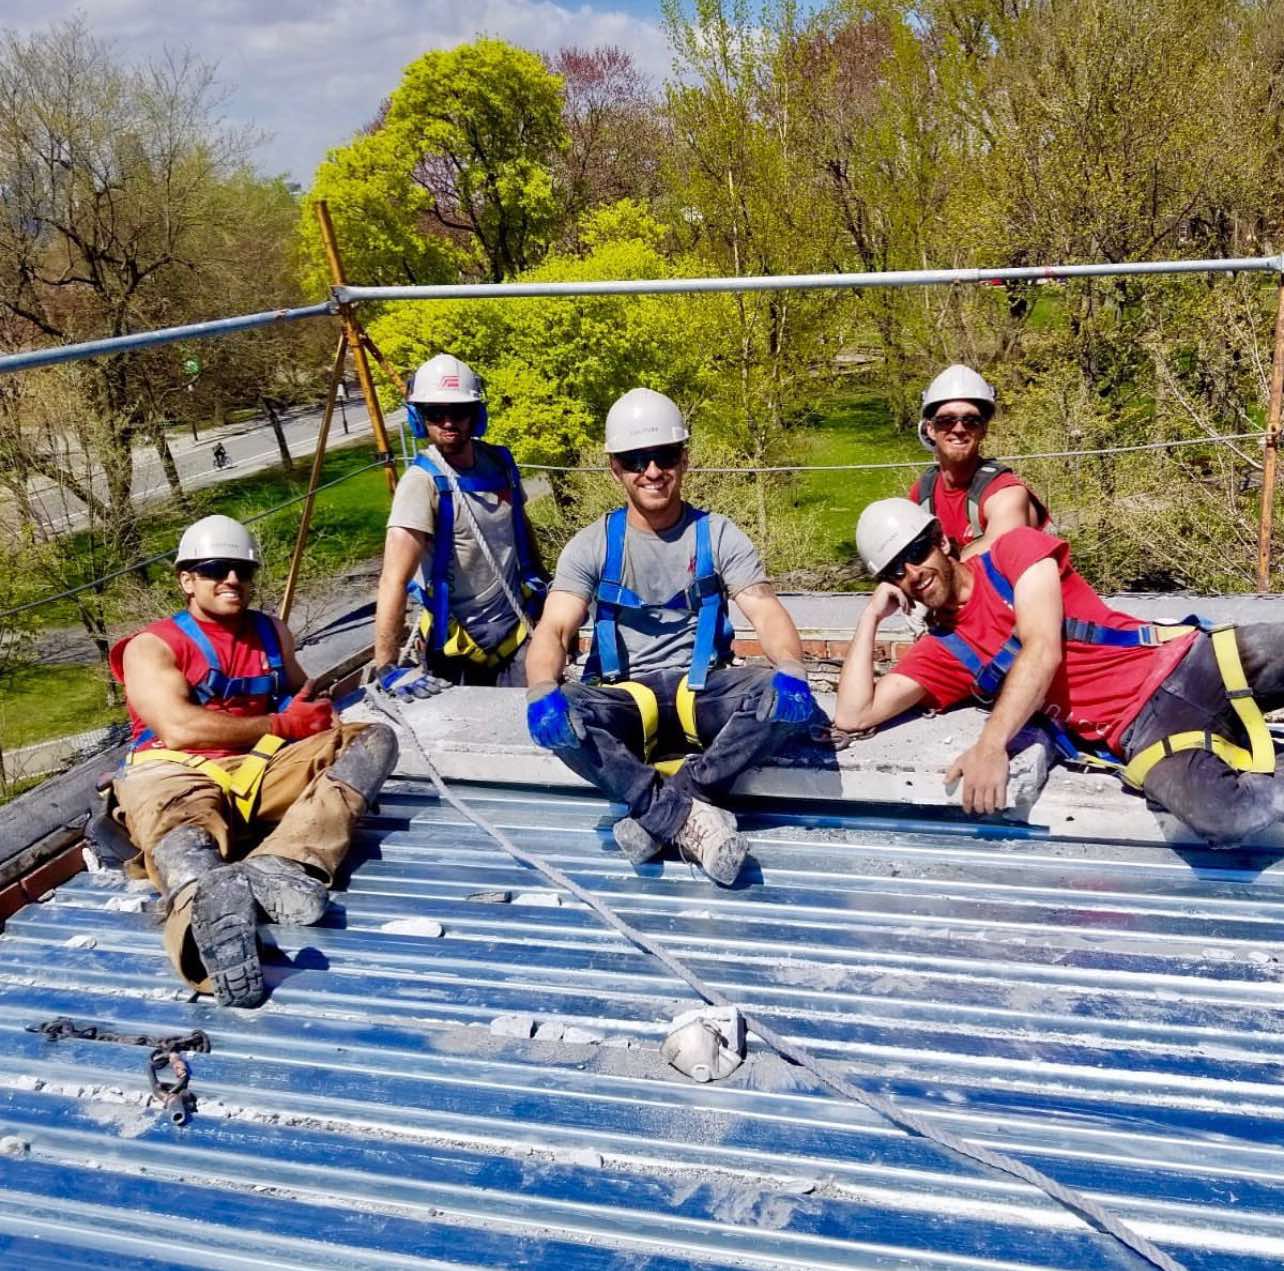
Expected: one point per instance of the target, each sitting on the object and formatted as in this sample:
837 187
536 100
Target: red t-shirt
949 505
240 653
1097 690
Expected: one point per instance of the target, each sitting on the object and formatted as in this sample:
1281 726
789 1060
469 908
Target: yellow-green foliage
554 366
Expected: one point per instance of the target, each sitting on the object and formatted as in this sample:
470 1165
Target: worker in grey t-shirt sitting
658 573
458 522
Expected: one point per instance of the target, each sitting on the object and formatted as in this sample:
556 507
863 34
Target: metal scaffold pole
357 347
314 479
1271 458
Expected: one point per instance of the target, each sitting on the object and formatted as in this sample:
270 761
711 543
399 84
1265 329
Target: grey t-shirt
657 567
476 598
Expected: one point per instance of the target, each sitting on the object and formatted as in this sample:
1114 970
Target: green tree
128 206
457 174
554 366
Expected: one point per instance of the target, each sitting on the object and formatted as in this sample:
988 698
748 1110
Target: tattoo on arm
758 591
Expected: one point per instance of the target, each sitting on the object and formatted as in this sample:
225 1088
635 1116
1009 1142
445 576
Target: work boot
636 844
285 891
708 837
366 761
223 927
184 855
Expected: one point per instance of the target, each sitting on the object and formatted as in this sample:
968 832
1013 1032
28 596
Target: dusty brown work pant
312 818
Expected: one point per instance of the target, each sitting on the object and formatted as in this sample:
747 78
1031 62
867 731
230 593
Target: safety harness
987 472
705 596
243 784
442 633
988 677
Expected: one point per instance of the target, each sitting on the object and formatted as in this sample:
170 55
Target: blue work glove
788 699
407 682
551 719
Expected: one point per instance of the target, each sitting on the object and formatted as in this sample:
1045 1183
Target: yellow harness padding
459 644
1261 757
649 709
242 786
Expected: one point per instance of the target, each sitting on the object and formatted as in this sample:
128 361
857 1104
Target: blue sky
311 77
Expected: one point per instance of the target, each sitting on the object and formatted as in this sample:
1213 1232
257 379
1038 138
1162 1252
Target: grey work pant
726 720
1217 802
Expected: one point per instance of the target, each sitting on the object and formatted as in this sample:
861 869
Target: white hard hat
958 383
218 538
445 378
886 527
644 418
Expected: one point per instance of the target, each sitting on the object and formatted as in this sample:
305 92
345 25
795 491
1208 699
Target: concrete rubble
479 734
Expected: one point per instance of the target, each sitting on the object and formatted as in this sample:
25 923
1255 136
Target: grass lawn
53 701
347 523
854 428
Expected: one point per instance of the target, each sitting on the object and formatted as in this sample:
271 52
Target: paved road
251 447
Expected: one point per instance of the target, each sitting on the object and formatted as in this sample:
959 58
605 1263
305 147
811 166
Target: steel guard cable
1072 1199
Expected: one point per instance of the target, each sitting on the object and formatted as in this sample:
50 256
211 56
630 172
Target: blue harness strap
988 676
217 685
705 596
436 596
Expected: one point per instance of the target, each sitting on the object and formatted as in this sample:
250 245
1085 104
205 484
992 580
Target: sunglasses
438 413
915 554
947 422
662 456
217 570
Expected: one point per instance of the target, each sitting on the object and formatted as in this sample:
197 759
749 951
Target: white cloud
312 77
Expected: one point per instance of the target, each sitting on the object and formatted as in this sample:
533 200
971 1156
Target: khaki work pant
312 818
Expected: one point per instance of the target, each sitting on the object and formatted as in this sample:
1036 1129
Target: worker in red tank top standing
975 499
230 743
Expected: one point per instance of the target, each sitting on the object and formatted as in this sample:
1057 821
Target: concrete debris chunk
513 1025
12 1145
583 1157
414 927
491 897
550 1030
549 899
707 1043
577 1036
80 942
127 904
92 864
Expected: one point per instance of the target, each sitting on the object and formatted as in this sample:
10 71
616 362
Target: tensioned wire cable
547 467
1071 1198
151 560
919 463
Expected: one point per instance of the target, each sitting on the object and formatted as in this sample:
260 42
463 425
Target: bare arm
403 549
295 676
158 692
863 701
564 614
771 621
984 767
1009 509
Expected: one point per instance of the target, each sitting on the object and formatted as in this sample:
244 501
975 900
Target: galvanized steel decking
1110 1015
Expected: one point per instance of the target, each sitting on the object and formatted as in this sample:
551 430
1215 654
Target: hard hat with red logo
445 379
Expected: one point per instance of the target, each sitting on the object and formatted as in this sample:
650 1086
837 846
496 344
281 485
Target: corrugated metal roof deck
1110 1016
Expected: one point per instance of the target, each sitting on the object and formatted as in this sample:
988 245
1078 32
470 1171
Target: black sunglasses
217 570
948 421
915 554
662 456
439 412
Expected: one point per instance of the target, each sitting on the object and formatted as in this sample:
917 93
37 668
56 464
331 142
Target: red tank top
240 653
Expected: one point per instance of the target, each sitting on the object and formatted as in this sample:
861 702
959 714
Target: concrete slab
479 735
835 614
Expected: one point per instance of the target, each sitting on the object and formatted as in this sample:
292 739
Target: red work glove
304 717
